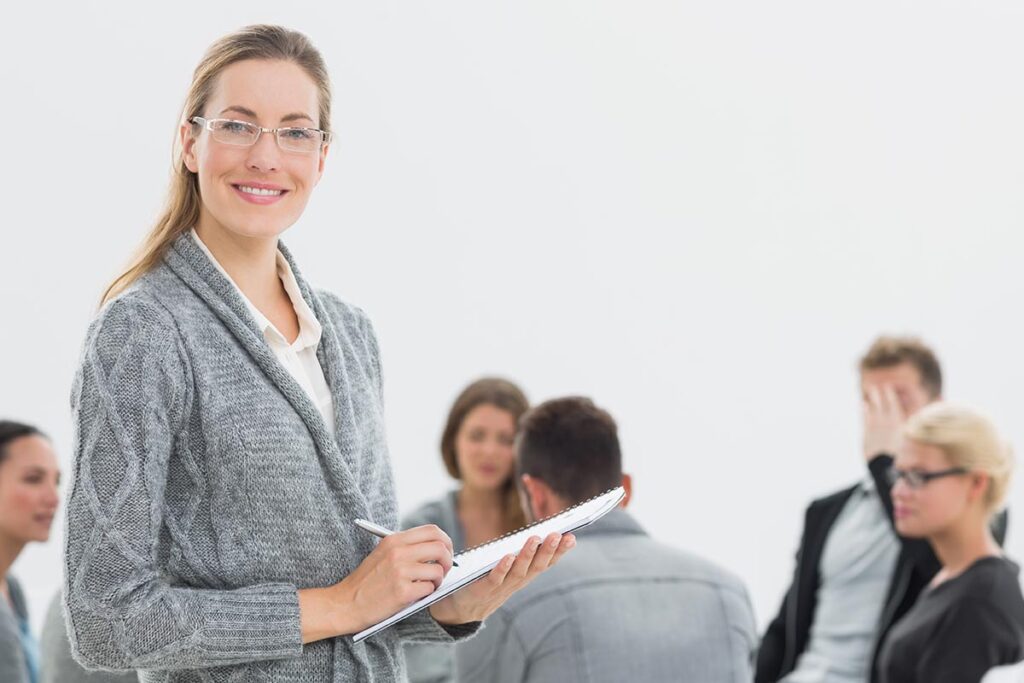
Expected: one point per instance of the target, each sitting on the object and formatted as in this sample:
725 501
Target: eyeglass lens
244 134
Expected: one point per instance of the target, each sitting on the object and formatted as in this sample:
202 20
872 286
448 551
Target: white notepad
478 562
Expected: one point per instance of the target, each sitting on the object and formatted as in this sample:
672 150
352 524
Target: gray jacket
206 488
619 607
14 667
434 662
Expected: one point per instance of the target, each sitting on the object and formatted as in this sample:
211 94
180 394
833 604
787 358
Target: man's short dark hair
572 446
890 351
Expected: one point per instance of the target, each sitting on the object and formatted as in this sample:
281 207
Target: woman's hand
403 568
478 600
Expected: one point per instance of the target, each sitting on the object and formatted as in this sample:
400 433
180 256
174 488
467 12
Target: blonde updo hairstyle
969 440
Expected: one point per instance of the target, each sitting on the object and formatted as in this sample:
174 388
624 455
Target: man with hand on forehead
854 576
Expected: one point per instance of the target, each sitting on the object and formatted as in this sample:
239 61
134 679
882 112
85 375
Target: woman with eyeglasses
949 478
229 424
29 476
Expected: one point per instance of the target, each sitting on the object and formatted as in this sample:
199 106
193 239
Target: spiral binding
538 522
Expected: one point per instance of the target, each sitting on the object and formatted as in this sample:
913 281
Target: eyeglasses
245 134
916 479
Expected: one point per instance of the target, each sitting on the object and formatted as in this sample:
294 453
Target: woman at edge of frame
229 424
949 478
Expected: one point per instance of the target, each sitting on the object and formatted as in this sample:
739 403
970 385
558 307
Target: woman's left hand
478 600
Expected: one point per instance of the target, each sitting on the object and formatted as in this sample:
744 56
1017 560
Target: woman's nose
52 495
900 489
265 155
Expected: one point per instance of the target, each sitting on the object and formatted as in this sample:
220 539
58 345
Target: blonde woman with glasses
949 478
229 424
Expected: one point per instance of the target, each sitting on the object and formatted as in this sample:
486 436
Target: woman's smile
259 193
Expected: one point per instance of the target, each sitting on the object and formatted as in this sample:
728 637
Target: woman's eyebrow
241 110
294 116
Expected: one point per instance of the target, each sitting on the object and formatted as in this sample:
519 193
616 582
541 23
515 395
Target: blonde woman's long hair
181 210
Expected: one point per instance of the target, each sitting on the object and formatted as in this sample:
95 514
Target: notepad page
477 562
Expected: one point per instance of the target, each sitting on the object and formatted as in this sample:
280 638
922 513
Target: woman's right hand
404 567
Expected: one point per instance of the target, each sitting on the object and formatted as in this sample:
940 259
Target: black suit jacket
787 635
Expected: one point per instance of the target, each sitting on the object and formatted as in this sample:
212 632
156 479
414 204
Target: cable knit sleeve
130 402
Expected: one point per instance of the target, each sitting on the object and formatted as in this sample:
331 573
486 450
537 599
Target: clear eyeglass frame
247 134
916 479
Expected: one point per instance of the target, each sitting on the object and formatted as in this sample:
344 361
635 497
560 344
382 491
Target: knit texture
206 488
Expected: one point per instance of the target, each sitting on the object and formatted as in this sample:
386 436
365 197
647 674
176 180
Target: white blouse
299 357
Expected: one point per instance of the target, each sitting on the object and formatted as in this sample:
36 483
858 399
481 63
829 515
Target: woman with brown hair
477 450
229 424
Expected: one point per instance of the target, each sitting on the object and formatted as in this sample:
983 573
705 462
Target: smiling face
29 476
484 447
939 503
258 191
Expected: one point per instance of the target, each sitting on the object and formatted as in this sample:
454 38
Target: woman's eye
298 133
234 127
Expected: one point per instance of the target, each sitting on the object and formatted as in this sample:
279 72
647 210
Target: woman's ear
323 160
979 485
188 143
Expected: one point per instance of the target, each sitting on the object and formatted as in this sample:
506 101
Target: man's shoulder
598 560
431 512
686 565
832 500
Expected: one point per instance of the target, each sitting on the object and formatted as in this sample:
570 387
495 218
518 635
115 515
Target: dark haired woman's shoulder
12 658
17 597
440 512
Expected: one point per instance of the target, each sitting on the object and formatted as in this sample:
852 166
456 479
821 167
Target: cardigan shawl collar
338 455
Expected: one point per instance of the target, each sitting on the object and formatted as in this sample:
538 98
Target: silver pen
381 532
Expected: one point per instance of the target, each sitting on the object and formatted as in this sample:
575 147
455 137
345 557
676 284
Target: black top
959 630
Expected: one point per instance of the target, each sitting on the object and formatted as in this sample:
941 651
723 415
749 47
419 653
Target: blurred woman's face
260 190
29 476
483 447
935 505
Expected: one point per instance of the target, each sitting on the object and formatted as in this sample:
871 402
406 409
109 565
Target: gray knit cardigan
207 489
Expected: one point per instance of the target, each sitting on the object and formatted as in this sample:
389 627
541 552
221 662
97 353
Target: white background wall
697 213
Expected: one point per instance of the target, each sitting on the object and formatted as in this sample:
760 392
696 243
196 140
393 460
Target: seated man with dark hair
621 606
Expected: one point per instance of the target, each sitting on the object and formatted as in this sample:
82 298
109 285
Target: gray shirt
619 607
434 662
14 666
856 569
207 489
57 664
